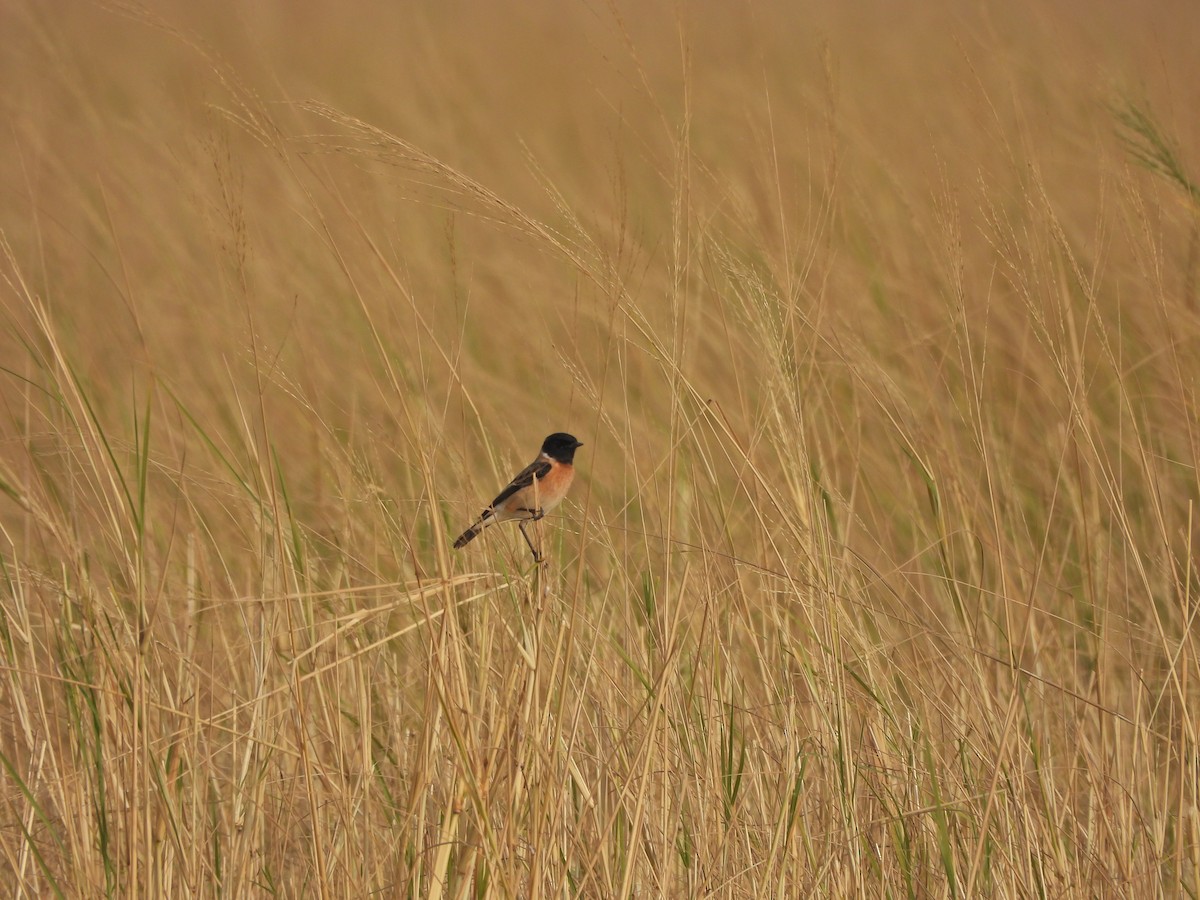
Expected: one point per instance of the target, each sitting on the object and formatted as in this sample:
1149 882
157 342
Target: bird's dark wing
539 468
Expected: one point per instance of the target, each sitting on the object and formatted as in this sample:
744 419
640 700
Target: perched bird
536 490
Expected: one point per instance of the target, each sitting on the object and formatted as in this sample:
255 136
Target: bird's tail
473 532
467 536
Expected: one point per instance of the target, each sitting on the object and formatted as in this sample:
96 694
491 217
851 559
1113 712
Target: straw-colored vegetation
881 326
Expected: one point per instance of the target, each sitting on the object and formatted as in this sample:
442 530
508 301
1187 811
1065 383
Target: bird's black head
561 447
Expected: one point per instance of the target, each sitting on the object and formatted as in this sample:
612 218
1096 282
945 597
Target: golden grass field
881 327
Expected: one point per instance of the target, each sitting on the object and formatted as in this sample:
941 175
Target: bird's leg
537 557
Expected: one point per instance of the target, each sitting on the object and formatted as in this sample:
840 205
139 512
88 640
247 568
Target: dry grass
882 330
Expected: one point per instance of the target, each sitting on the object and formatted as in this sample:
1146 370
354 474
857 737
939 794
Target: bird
533 492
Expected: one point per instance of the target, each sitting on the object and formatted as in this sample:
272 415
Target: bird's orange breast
544 494
553 487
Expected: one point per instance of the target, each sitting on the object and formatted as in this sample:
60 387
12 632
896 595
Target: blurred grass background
880 327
